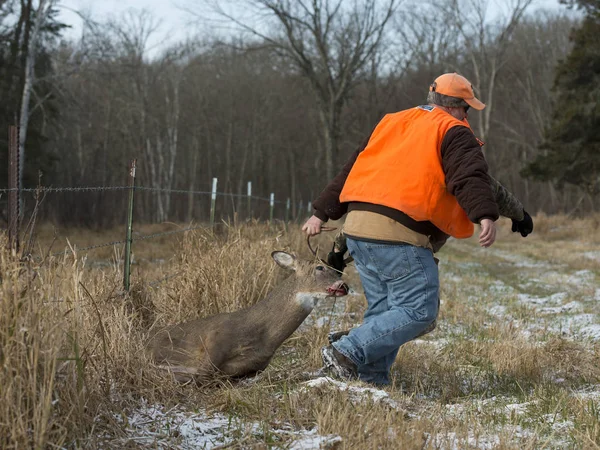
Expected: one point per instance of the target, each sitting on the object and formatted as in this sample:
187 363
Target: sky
174 21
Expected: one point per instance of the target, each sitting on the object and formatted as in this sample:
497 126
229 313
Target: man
508 205
419 178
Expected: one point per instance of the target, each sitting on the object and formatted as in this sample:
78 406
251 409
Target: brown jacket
466 178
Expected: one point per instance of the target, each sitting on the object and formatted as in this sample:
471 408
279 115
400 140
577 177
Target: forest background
280 93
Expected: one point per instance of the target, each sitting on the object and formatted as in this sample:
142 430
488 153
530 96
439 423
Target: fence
15 200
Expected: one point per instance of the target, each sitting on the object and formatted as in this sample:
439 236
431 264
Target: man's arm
327 205
467 176
510 206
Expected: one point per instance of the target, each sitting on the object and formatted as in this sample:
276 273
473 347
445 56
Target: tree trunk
40 17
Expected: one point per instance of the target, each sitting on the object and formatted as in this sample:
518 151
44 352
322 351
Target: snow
357 394
592 255
152 425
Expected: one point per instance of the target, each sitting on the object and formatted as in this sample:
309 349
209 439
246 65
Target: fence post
14 195
309 208
287 210
250 200
129 231
213 202
271 206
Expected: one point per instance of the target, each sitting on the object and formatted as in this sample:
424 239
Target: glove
524 226
336 260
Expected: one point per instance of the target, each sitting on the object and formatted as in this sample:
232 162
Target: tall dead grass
72 344
73 359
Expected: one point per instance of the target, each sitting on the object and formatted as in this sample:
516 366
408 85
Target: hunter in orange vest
410 177
420 175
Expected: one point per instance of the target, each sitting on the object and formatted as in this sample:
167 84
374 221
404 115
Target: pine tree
571 149
16 20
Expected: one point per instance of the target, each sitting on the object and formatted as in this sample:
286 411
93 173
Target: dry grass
74 366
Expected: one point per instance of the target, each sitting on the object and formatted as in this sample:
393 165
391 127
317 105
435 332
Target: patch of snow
552 299
452 441
558 425
581 277
438 344
312 441
151 425
498 310
573 306
592 255
590 393
498 287
453 278
591 332
518 408
516 259
356 393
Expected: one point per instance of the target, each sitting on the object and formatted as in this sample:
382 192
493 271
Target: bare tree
486 43
328 41
40 16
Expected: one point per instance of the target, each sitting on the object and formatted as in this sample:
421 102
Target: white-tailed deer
243 342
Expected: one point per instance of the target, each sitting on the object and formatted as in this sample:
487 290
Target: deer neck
283 310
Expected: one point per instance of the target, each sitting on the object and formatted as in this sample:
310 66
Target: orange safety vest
401 168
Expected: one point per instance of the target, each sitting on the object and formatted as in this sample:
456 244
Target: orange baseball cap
455 85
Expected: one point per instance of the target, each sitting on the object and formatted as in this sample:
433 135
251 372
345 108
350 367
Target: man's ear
285 260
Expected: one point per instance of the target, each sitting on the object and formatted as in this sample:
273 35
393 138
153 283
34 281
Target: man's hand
487 236
312 226
524 226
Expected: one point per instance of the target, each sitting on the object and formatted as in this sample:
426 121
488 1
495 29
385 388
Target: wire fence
45 189
132 189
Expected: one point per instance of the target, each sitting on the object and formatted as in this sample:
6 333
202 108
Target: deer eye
319 268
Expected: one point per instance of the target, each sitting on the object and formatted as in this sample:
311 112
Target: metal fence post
213 202
14 195
250 200
271 206
129 231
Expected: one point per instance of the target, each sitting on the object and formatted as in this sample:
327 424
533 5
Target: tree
27 37
329 43
571 149
485 46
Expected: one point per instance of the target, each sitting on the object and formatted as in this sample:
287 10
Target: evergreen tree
571 150
16 19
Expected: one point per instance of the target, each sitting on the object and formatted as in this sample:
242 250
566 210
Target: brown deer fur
243 342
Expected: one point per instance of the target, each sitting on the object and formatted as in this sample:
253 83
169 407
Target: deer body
243 342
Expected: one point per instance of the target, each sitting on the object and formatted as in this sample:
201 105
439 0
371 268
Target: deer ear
284 259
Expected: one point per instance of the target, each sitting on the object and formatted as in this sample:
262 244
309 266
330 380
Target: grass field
513 364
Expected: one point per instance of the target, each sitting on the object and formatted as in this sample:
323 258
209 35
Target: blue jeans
402 288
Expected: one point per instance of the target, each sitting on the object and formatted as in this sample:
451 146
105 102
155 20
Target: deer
241 343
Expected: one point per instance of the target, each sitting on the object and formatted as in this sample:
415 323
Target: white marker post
250 200
213 202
